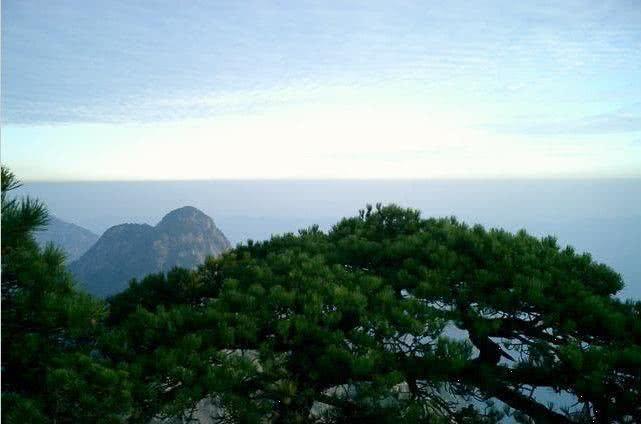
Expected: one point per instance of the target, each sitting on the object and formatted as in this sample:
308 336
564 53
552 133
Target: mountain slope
184 238
73 239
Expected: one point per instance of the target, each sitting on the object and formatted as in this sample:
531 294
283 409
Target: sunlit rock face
183 238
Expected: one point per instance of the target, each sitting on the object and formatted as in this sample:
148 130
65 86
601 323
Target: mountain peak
185 213
184 237
116 230
73 239
186 220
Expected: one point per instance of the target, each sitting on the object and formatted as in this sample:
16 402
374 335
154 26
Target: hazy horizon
338 179
602 217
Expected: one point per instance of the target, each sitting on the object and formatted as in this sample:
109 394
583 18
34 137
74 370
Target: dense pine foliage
51 369
388 317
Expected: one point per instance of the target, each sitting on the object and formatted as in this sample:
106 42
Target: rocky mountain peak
183 238
185 218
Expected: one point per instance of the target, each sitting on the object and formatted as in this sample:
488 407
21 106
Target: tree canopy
51 371
387 317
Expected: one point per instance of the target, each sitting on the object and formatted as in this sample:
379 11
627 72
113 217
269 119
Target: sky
154 90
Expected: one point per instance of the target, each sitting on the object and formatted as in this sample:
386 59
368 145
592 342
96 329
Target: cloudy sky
364 89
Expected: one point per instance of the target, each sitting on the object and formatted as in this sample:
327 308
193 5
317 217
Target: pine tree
357 325
49 330
386 318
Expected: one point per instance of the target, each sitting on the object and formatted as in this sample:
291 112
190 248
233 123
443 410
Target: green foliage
352 325
387 318
49 330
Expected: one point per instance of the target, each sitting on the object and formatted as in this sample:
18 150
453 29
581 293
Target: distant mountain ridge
73 239
184 238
